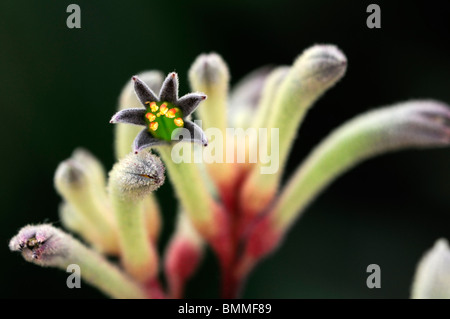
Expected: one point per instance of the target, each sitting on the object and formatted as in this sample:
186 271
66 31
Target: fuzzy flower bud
43 245
209 74
316 70
321 66
69 176
130 180
209 70
413 124
48 246
80 181
138 174
313 72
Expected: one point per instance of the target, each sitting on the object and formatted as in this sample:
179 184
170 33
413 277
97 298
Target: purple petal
169 89
196 133
143 92
189 102
144 140
130 116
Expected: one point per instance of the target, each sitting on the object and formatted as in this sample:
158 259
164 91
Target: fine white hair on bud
208 69
323 63
43 244
137 175
412 124
209 74
69 174
48 246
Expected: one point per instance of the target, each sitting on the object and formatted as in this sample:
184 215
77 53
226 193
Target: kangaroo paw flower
162 115
230 193
125 134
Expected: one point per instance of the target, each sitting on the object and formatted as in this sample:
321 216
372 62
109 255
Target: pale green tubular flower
131 179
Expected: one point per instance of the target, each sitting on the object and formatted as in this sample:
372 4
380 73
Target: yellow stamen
153 126
178 121
153 107
171 113
163 109
150 116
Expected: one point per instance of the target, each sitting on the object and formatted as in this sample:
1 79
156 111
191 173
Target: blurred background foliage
59 88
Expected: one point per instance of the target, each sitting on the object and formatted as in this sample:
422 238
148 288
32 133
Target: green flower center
162 119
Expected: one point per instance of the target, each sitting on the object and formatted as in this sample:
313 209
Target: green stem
311 75
191 189
270 90
412 124
138 253
84 203
98 272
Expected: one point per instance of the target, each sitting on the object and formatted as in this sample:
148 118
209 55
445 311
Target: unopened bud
48 246
413 124
44 245
80 181
130 180
209 71
316 70
69 176
209 74
137 175
320 67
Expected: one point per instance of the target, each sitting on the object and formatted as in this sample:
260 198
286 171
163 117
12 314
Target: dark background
59 88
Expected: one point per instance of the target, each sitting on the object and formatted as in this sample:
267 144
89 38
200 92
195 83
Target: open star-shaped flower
162 115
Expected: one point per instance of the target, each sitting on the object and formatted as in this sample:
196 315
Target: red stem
232 283
154 289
